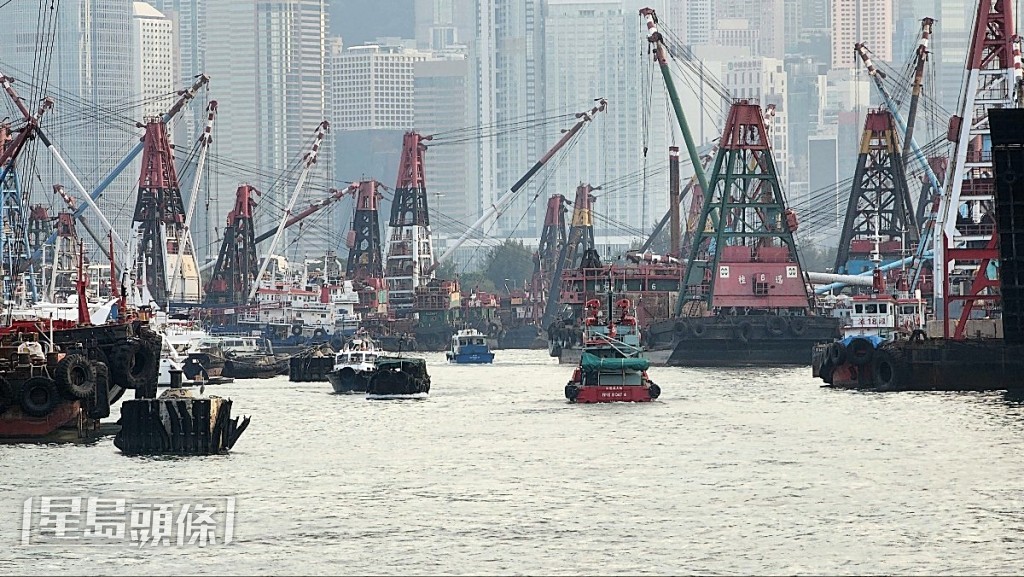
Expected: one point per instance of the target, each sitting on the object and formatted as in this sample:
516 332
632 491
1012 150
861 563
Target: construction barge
978 339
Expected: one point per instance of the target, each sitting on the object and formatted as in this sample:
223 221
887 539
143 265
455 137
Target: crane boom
204 146
336 194
921 56
186 95
500 204
661 55
310 160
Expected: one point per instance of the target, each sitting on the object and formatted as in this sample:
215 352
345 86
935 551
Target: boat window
479 341
883 308
870 309
371 358
859 308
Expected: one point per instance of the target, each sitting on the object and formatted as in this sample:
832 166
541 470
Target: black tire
836 353
494 329
776 325
39 396
347 375
135 366
296 330
682 328
654 391
859 352
744 331
319 334
75 377
798 326
698 328
572 392
888 371
6 395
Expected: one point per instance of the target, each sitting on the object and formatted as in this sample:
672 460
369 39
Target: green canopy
592 362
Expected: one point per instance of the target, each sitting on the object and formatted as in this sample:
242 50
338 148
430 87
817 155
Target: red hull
15 424
613 394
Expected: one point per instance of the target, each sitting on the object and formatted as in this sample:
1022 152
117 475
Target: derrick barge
956 361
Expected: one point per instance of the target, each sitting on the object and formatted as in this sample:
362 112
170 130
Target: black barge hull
755 340
928 365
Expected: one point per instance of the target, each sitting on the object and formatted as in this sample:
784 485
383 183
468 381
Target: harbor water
731 471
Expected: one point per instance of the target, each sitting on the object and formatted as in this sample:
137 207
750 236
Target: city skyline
508 61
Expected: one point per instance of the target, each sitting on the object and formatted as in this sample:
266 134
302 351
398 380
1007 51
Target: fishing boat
612 364
399 378
469 346
354 364
239 357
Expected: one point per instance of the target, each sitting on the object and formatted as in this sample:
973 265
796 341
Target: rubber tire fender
744 331
836 353
75 377
776 325
654 391
859 352
572 392
698 328
798 325
39 396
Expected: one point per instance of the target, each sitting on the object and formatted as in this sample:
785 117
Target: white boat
353 365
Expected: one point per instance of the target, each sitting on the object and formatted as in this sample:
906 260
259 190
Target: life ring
860 352
6 395
319 333
654 391
836 353
776 325
39 396
698 328
798 325
75 377
572 392
744 331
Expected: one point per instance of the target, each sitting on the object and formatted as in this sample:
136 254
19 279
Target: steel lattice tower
364 251
880 208
552 242
237 265
160 223
410 251
743 253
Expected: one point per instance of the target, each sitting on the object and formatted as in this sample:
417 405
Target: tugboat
399 378
864 357
469 346
354 364
612 366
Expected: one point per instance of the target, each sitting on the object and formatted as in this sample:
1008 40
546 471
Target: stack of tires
136 365
74 378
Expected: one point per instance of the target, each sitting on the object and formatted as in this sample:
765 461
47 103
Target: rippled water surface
731 472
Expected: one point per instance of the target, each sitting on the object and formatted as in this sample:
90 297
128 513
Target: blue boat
469 346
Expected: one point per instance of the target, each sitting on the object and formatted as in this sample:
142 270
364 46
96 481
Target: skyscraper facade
154 70
868 21
89 75
267 66
604 62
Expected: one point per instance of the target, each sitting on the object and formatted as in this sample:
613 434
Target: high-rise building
444 23
867 21
508 67
954 21
88 73
764 81
188 18
443 104
589 53
267 62
373 87
154 70
764 21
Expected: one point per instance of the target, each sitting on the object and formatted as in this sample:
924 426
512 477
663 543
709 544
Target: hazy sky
358 21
